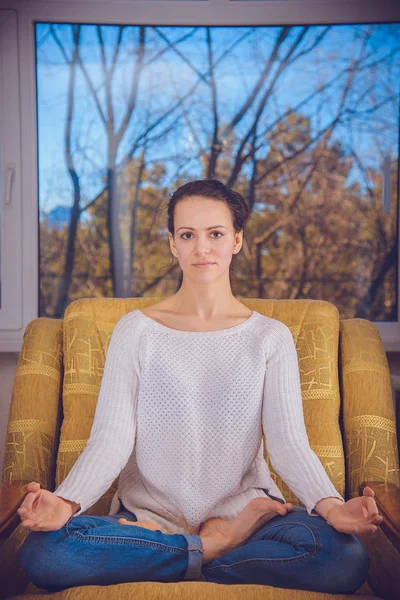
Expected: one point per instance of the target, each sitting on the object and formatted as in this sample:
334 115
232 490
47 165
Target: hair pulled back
212 188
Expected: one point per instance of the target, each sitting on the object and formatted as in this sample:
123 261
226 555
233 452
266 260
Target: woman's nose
202 249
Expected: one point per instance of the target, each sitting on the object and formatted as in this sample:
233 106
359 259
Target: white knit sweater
180 416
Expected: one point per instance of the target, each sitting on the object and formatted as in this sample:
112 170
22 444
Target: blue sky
373 134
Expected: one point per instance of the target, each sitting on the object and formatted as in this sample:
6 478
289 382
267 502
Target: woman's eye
188 233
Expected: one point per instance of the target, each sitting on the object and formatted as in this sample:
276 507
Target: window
299 112
303 120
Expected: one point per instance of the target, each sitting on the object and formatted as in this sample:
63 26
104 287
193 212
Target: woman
196 500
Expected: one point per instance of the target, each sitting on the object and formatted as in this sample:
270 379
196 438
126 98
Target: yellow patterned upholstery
35 412
347 400
368 412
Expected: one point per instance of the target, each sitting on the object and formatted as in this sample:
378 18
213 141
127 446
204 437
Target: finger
33 486
23 512
376 520
30 499
41 525
368 491
370 505
369 529
38 500
29 524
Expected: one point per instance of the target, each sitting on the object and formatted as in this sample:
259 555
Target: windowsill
394 366
392 347
10 344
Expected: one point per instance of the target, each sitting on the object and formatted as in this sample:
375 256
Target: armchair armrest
11 498
383 546
387 498
13 580
36 410
367 416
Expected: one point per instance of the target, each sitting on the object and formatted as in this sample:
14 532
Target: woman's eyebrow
193 229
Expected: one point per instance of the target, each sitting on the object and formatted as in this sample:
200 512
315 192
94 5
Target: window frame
151 12
10 193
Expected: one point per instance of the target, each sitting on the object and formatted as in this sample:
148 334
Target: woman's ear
239 239
171 242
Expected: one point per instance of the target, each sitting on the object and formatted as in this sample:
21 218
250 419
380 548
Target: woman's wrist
73 505
326 504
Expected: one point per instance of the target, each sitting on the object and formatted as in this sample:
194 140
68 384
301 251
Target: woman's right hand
42 510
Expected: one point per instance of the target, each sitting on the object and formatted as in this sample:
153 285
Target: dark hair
212 188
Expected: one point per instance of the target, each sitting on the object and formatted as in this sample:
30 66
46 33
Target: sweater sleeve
284 427
112 436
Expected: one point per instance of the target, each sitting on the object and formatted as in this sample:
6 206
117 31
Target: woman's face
204 232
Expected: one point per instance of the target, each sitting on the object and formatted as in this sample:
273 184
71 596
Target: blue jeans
289 551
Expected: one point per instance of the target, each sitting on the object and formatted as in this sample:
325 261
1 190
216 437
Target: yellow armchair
348 411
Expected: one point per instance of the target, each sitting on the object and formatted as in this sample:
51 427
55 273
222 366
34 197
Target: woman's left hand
359 515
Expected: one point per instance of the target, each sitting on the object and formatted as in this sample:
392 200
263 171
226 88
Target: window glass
302 120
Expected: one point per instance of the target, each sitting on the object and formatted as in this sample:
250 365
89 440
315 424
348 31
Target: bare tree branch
261 80
215 147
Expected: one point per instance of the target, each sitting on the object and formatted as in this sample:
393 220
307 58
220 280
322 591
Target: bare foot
144 524
220 536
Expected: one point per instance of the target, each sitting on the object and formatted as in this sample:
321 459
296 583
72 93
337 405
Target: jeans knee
353 566
360 564
34 556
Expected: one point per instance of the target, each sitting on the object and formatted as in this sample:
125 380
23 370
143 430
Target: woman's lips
205 265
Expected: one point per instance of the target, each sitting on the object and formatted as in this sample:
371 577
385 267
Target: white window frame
151 12
10 178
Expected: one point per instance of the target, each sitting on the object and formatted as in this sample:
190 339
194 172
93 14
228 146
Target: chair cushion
184 590
88 325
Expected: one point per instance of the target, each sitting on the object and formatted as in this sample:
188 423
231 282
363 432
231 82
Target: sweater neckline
213 333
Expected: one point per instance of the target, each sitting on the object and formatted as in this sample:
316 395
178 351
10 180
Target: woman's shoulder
273 325
275 335
160 312
127 324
